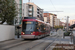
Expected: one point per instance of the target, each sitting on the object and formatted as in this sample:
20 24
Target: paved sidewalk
66 40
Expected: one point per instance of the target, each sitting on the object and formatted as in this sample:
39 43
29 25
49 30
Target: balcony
38 8
38 14
30 13
41 13
37 11
30 9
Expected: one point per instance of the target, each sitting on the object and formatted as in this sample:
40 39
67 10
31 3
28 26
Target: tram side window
36 27
41 27
47 28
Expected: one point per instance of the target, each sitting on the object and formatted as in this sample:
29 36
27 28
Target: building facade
72 22
50 18
57 22
32 10
19 5
54 17
47 17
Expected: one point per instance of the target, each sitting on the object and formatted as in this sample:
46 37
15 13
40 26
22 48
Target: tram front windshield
28 26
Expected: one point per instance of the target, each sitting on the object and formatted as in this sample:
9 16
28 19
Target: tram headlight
31 33
23 33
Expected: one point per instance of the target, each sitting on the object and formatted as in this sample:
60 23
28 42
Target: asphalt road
21 44
38 44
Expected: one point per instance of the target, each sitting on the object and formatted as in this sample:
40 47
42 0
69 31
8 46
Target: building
57 22
32 10
50 18
47 17
62 24
54 17
19 5
72 22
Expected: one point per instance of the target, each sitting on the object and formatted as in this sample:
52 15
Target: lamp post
67 23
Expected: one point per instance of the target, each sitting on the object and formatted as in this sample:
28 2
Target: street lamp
67 27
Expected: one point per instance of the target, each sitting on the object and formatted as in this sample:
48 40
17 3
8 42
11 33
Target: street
37 25
35 44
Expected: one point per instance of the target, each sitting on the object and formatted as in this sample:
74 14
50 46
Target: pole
14 21
67 23
32 11
18 34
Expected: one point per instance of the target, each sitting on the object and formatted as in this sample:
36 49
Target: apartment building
32 10
57 22
19 6
54 17
50 18
47 17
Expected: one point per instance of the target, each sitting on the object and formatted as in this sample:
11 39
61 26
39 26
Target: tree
7 11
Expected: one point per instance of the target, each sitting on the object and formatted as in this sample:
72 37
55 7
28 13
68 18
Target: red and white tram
33 28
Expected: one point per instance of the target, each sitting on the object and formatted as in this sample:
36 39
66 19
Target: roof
36 21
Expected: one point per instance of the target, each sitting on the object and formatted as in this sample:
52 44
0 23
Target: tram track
34 45
13 44
50 45
24 45
27 44
38 45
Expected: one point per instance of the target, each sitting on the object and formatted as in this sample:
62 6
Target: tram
33 28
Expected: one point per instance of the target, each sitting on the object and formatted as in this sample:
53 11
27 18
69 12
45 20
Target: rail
41 43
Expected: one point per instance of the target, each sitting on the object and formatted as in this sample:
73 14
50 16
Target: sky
67 6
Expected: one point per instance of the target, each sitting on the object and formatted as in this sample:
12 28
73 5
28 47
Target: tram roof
37 20
42 22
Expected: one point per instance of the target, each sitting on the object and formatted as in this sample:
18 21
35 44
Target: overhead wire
53 6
